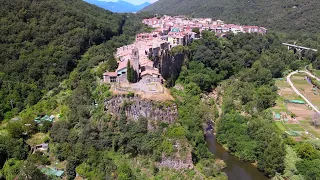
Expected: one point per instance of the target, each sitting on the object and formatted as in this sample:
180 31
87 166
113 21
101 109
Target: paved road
298 92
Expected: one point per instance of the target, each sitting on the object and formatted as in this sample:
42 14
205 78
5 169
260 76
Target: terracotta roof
250 27
122 64
146 62
111 74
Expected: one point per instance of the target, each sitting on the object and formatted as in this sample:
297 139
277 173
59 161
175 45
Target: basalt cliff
136 107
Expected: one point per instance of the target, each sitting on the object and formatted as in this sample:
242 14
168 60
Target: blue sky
136 2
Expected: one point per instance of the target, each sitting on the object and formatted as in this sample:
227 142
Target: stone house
151 75
120 75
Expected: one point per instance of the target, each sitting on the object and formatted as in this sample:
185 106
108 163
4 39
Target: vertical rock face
136 107
156 113
177 163
168 64
181 158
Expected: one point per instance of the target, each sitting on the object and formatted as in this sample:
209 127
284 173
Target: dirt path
298 92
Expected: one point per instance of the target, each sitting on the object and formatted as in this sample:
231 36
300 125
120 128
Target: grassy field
280 106
295 127
281 83
285 91
287 127
311 129
300 74
316 72
306 89
281 126
38 138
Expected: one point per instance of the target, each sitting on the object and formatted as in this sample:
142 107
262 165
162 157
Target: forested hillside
41 43
285 15
84 140
242 69
53 54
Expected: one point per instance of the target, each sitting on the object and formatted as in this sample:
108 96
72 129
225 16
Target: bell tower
135 63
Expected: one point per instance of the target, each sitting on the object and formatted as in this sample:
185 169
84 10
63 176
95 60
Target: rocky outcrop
180 159
169 64
176 164
136 107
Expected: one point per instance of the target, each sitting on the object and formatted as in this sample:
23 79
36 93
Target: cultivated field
306 89
302 112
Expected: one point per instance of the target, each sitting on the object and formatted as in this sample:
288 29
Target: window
113 79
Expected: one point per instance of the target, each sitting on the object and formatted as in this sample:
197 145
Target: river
236 170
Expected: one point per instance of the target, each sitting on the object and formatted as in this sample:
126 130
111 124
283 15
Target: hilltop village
146 75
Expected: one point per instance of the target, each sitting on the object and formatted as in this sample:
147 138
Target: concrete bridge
299 49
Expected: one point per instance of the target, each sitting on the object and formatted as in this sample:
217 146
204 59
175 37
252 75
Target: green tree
11 168
71 167
196 30
129 72
13 148
309 169
15 129
272 159
29 171
46 125
125 172
290 162
316 64
264 97
306 151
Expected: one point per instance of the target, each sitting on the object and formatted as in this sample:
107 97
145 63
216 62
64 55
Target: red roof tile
112 74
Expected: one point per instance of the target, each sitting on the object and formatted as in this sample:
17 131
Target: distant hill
284 15
119 6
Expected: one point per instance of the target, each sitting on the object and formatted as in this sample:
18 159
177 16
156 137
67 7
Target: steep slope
119 6
40 42
285 15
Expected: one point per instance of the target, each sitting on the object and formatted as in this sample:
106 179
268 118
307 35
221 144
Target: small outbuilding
42 147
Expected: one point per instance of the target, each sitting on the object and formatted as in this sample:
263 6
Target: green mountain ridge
284 16
41 43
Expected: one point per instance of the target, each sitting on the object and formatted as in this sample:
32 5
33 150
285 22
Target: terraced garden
300 111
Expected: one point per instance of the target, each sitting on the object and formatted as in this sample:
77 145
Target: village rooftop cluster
168 32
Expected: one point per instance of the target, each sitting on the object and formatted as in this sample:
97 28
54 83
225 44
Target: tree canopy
42 42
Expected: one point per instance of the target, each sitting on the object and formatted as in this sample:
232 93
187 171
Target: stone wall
122 78
135 107
149 79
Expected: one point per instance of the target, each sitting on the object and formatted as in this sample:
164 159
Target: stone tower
135 62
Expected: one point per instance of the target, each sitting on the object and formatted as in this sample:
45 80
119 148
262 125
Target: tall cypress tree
129 72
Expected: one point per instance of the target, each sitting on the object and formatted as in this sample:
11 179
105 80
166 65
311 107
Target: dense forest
242 69
286 15
41 43
85 141
53 56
